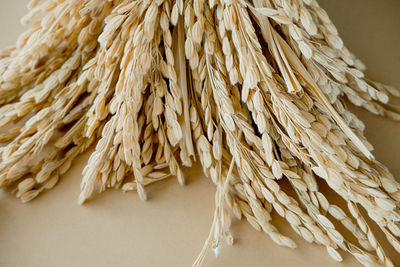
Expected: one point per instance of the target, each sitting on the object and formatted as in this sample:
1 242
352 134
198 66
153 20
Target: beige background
118 229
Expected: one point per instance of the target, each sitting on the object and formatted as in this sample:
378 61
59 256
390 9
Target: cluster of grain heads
252 90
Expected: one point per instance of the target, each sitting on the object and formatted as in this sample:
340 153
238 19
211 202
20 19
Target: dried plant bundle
251 89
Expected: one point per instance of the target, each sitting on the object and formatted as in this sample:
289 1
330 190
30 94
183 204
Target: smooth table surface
117 229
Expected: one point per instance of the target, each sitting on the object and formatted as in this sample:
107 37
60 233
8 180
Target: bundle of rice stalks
252 89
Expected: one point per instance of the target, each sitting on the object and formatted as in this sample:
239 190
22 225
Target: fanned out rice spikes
253 90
